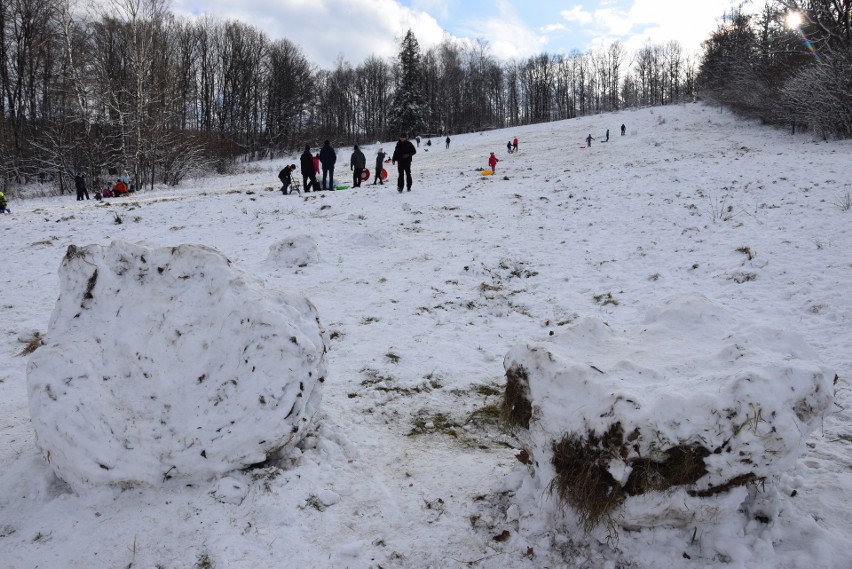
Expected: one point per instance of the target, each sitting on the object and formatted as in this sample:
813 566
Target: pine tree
409 110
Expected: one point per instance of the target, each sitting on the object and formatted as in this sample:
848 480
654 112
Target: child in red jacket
492 161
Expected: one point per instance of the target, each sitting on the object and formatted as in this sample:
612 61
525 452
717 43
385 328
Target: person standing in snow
417 138
589 140
607 136
492 161
448 142
380 160
509 147
402 154
623 130
327 159
515 145
80 184
4 204
357 164
316 164
306 161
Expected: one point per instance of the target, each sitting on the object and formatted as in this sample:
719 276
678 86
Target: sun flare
794 20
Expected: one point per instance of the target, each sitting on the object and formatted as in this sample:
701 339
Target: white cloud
658 21
551 28
577 15
507 34
327 29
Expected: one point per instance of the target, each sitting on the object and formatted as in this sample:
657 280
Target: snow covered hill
422 294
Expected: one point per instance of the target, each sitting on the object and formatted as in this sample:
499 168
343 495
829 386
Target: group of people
512 146
590 138
326 159
122 186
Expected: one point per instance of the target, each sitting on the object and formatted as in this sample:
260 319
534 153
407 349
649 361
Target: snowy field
421 296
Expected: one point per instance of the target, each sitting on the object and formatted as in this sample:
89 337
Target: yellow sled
487 172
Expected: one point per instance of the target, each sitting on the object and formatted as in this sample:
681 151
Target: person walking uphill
357 163
327 159
306 161
402 154
380 160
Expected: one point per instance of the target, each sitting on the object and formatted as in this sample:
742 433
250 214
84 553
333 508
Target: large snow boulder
166 363
667 422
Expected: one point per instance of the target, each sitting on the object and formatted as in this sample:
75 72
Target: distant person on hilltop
515 144
623 130
402 154
448 142
607 136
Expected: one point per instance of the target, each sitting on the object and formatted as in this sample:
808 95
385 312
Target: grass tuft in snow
203 562
516 408
32 344
844 201
747 252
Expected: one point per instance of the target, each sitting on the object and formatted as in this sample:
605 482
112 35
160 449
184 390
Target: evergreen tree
409 110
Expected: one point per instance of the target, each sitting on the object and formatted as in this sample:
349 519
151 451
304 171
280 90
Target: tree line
136 88
788 64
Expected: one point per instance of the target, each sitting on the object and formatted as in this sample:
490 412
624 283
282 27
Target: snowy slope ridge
422 295
166 363
690 402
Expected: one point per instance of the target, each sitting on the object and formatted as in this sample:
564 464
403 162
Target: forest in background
140 89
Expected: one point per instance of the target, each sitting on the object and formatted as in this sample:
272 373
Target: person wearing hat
357 164
402 154
380 160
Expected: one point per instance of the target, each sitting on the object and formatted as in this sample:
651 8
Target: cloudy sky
356 29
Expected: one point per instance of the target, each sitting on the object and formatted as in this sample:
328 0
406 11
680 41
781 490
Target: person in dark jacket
286 177
448 142
623 130
380 160
306 161
402 154
80 184
357 164
327 159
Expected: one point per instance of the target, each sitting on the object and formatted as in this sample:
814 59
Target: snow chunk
170 363
299 251
665 422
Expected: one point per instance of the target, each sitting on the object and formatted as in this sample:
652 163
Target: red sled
365 175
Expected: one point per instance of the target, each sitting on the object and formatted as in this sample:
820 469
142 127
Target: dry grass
583 479
516 408
32 344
